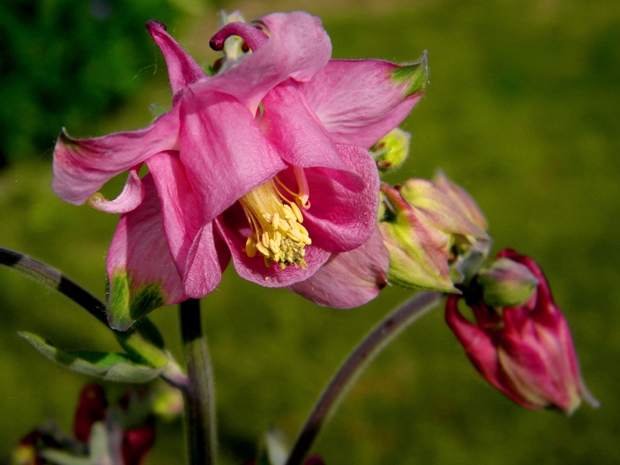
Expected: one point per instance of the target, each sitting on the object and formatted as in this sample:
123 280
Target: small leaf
107 365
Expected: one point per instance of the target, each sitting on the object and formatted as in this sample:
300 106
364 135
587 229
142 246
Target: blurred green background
523 110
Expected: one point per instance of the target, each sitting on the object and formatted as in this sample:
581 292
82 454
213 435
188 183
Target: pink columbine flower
525 351
266 162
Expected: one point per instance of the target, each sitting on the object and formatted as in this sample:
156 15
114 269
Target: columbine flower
525 351
266 162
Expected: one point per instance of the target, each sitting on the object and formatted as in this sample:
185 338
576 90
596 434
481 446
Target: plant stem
384 333
199 394
55 280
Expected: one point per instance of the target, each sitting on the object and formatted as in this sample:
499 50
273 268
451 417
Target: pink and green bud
424 231
506 283
391 151
526 351
460 197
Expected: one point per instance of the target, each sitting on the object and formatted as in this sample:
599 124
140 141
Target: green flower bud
425 232
506 283
391 151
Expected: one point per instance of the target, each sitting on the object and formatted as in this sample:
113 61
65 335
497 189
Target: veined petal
127 200
223 150
349 279
481 351
182 69
341 217
140 267
190 240
295 131
360 101
82 166
298 47
234 230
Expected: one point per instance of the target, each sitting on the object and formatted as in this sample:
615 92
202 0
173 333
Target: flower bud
391 151
506 283
461 198
425 232
526 351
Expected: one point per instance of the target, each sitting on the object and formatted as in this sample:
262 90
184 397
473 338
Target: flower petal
341 217
481 351
349 279
190 240
82 166
360 101
141 270
298 47
182 69
295 131
234 229
127 200
223 150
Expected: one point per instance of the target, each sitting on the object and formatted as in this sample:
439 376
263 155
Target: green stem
144 342
199 394
384 333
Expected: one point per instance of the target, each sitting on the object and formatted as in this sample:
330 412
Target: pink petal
127 200
141 270
295 131
82 166
341 217
234 229
349 279
298 47
192 244
478 345
223 150
358 101
182 69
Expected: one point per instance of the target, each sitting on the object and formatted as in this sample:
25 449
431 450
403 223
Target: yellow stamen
275 222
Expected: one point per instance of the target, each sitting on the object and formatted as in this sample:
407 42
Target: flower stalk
199 393
384 333
143 343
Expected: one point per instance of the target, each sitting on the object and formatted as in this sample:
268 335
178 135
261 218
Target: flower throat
275 222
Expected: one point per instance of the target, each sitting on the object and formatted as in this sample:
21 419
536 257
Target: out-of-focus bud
391 151
92 407
138 442
506 283
25 453
525 351
425 233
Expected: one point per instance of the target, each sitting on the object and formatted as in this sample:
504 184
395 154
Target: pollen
276 223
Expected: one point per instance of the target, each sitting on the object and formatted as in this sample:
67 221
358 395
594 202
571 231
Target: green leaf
109 366
144 344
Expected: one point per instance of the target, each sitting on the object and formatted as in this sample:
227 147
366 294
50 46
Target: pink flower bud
92 407
525 351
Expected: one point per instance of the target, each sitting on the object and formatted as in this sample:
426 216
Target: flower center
275 221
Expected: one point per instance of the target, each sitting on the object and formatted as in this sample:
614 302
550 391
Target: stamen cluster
276 227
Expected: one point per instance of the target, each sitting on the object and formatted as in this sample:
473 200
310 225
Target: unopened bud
506 283
422 228
391 151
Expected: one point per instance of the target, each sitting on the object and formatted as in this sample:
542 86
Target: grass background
522 110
